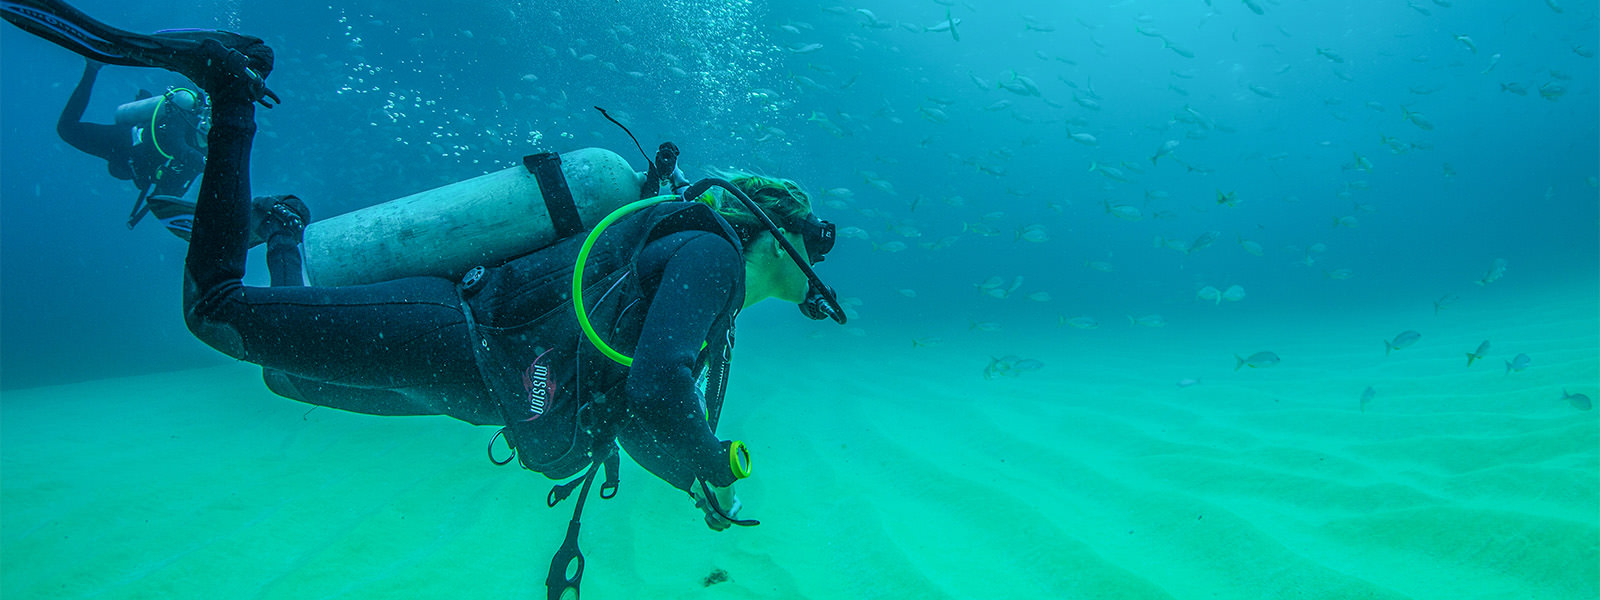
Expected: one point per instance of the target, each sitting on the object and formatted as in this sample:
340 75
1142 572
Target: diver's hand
725 500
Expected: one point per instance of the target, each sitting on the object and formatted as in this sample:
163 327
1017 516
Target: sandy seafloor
881 472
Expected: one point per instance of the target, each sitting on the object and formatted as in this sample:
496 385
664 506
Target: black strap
140 207
569 558
546 167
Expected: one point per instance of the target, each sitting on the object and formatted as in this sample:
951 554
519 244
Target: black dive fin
69 28
182 51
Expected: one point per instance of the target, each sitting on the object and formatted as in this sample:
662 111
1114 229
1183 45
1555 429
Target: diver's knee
218 334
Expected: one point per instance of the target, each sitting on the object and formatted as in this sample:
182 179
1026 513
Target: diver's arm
695 287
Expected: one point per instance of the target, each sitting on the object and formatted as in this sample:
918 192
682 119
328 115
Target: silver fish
1258 360
1124 211
1165 149
1010 366
1416 119
1482 349
1366 397
1033 233
1081 322
1444 302
1518 364
1179 50
1204 240
1110 172
1252 248
1019 85
1579 401
1400 342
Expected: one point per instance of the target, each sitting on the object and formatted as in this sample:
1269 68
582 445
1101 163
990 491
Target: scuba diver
534 344
156 141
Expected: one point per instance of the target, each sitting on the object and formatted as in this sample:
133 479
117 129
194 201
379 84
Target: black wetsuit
405 347
129 151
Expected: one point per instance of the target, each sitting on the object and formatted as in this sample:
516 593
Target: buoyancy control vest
563 401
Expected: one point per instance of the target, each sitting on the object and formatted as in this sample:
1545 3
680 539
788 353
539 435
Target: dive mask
818 236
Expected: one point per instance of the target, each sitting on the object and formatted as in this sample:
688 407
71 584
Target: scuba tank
142 112
487 220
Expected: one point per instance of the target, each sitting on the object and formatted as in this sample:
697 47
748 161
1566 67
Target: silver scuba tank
446 231
142 112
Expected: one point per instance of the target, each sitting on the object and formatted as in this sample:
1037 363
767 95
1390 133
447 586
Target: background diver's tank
446 231
143 111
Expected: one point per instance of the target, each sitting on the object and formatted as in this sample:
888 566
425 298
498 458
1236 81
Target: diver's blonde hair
783 201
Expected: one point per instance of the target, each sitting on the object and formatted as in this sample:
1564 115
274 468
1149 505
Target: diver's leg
109 142
465 402
397 334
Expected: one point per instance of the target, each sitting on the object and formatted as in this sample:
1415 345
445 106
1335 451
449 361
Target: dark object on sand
717 576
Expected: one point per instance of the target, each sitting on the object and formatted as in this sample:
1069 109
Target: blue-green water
1363 167
387 99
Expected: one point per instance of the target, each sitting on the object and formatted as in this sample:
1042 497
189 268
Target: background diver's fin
167 206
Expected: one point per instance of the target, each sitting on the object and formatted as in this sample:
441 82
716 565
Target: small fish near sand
1518 364
1259 360
1010 366
1444 302
1080 322
1366 397
1188 382
1482 349
1401 342
1578 401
